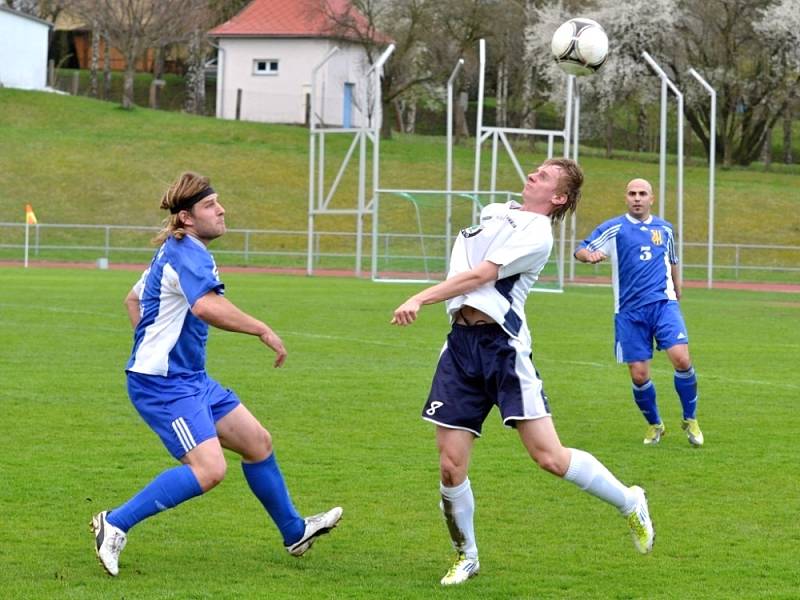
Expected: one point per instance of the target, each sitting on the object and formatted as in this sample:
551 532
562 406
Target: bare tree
94 61
133 26
370 23
749 50
195 97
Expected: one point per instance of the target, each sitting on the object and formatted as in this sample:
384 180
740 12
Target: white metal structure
449 174
712 158
499 134
23 50
666 83
367 131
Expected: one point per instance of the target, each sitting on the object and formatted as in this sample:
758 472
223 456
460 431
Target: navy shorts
635 330
183 411
479 367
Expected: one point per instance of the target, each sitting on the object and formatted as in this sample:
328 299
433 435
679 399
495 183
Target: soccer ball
580 46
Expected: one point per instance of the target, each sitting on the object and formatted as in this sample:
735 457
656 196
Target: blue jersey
641 254
169 339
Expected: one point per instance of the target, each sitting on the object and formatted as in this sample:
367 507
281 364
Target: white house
266 56
23 50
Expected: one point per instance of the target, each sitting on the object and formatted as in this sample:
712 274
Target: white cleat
315 526
640 523
109 542
464 568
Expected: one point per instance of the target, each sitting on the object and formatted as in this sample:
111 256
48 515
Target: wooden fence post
238 103
155 91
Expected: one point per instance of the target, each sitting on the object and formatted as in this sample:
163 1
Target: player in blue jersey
641 249
170 308
487 359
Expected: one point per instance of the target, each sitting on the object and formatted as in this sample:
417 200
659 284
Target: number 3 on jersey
645 253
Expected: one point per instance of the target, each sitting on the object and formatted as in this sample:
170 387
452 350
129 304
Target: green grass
78 160
344 415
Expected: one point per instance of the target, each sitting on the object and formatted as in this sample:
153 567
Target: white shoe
463 569
640 523
109 542
315 526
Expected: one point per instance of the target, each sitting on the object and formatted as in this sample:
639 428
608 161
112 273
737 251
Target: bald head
640 183
639 198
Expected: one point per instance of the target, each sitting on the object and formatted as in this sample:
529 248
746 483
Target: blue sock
645 397
686 386
169 489
266 481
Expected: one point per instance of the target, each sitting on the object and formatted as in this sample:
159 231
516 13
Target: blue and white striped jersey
169 339
519 242
641 254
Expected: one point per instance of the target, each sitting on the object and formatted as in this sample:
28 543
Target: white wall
281 98
23 52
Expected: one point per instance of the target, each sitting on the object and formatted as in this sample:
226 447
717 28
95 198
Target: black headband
188 203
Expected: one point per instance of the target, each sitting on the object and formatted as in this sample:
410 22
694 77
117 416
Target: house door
347 114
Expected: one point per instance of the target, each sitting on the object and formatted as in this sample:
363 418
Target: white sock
590 475
458 508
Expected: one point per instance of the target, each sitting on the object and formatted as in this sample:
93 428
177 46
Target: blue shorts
479 367
183 411
636 329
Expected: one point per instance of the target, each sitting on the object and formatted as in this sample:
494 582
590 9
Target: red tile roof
288 18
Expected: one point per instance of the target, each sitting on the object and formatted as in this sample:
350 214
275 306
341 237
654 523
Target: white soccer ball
580 46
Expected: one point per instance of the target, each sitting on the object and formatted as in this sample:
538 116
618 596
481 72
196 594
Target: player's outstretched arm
584 255
406 313
220 312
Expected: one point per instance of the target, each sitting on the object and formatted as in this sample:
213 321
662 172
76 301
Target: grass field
344 416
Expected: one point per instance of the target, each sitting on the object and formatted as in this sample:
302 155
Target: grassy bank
78 160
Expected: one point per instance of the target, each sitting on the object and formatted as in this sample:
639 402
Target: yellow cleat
640 523
655 433
692 429
464 568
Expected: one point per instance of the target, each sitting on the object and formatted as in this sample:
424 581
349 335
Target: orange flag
30 218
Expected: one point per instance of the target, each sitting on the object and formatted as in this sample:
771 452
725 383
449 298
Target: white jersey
519 242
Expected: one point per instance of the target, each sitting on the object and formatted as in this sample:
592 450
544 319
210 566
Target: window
265 66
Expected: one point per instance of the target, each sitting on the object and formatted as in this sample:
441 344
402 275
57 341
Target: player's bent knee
210 473
451 473
257 446
682 364
262 443
550 462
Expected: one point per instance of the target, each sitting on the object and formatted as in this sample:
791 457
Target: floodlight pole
712 159
575 138
479 119
568 113
662 151
312 161
666 81
449 175
376 172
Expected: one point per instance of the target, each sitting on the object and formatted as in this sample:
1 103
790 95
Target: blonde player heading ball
487 359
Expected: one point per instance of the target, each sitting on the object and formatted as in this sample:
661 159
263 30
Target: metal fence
287 248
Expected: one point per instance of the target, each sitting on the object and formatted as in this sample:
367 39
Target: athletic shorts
480 367
635 330
182 411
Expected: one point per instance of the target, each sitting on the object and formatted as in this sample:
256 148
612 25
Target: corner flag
30 218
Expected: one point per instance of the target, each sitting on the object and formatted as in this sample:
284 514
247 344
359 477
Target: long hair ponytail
186 186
